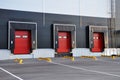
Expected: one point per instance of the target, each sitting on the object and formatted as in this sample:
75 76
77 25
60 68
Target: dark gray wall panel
117 14
85 21
116 33
44 37
44 28
11 15
62 19
97 21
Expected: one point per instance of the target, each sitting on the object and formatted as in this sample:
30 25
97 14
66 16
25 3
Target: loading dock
64 39
22 37
97 37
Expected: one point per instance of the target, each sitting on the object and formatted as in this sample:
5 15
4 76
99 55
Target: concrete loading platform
61 69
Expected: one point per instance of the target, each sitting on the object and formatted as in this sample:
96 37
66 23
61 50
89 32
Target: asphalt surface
61 69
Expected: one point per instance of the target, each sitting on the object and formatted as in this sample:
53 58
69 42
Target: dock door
64 39
64 42
98 42
22 42
22 37
97 38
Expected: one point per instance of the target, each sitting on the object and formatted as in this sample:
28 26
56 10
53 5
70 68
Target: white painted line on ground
94 71
10 73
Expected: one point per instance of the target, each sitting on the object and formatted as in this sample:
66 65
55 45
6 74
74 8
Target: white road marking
94 71
10 73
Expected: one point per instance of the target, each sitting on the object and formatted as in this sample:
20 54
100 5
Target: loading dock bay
61 69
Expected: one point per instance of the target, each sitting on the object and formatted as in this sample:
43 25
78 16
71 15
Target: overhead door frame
64 27
19 25
103 29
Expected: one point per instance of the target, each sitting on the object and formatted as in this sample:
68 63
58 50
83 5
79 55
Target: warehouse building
52 28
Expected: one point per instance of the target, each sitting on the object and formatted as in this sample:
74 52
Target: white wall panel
84 52
44 53
24 5
95 8
70 7
5 54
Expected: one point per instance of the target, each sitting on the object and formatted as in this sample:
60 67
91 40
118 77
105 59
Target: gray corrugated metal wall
116 14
